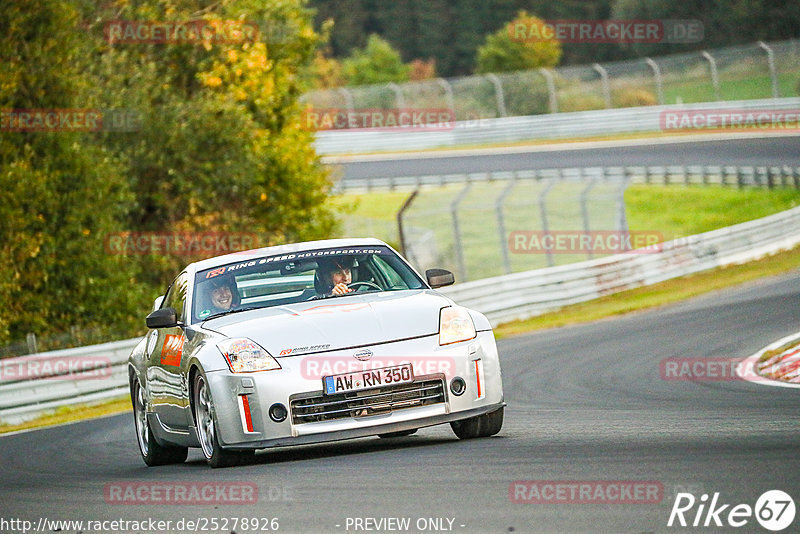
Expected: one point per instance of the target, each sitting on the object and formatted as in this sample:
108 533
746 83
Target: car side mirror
439 278
163 318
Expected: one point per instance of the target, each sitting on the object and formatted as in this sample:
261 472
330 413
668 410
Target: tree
62 191
378 62
219 147
528 49
222 146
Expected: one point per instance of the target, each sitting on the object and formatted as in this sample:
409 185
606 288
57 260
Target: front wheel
152 453
480 426
203 407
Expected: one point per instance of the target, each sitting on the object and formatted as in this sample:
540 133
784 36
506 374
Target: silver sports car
307 343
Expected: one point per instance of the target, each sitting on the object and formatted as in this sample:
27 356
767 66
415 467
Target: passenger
221 294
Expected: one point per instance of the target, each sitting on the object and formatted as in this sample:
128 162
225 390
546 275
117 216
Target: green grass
679 211
673 211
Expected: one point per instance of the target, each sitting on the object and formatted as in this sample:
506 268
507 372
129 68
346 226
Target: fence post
657 75
32 346
551 88
714 76
499 97
543 214
501 222
399 100
604 80
406 205
622 221
348 98
462 266
772 74
585 211
448 91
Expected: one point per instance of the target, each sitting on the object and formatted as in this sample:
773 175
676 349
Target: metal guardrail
769 176
515 129
501 298
522 295
38 383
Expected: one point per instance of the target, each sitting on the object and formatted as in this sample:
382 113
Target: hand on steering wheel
365 284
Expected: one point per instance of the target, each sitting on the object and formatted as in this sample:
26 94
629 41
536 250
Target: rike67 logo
774 510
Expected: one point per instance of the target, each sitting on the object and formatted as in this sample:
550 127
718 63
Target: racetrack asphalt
783 150
585 403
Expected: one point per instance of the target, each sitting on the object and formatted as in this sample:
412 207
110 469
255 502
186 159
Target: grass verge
68 414
649 297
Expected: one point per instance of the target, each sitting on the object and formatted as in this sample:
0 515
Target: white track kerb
747 367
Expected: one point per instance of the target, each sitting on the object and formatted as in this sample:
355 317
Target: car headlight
455 324
246 356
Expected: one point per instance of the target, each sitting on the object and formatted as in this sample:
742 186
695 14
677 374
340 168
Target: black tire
480 426
206 424
399 434
152 452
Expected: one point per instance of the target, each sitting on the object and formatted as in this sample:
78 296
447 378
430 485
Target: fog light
278 412
458 386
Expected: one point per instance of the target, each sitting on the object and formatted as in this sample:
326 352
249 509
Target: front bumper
242 401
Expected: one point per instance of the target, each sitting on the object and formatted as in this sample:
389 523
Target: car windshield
296 277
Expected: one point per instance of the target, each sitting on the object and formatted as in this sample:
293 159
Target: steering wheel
365 284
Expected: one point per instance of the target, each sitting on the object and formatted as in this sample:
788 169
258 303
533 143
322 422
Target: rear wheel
152 452
204 418
480 426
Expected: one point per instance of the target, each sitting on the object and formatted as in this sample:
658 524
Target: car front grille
316 407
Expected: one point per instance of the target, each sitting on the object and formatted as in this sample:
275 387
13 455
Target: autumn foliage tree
219 146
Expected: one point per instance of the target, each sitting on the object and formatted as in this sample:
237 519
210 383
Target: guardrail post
604 80
499 97
585 211
405 206
543 215
551 89
657 75
714 76
501 222
772 74
399 100
462 266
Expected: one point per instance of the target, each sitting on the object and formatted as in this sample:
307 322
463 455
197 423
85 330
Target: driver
336 274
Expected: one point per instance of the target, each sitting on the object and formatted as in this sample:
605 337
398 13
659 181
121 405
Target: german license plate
371 378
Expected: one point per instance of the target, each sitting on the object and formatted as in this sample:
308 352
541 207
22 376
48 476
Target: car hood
336 323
